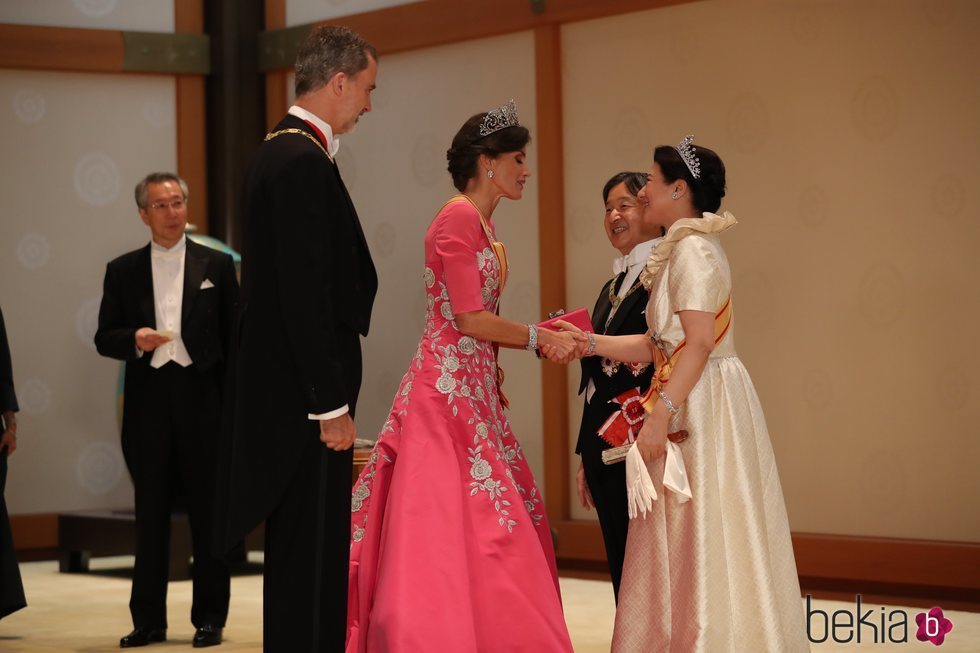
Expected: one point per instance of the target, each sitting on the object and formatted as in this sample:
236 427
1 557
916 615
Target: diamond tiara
500 118
686 150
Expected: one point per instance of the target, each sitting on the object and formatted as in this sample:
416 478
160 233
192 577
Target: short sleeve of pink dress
458 237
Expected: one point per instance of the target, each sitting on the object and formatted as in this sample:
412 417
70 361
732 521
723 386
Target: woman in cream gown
716 573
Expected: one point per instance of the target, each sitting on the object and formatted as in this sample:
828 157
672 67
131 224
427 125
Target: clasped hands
564 346
571 343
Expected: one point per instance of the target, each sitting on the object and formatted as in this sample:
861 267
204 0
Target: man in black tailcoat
308 285
619 310
167 310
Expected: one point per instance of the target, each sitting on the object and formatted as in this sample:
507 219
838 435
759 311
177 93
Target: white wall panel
301 12
135 15
850 135
74 147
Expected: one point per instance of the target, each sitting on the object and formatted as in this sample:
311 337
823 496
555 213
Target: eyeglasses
176 205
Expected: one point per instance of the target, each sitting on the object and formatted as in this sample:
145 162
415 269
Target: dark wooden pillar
235 107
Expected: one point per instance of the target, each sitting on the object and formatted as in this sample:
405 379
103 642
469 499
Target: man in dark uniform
308 286
619 310
167 310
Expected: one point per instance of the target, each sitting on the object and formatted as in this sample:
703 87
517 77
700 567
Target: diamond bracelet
671 408
532 337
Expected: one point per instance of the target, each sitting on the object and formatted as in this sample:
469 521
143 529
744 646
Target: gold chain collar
615 300
292 130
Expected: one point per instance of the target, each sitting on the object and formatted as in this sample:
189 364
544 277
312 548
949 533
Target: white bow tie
622 264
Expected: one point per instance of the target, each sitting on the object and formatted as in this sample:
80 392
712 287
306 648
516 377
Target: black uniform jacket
629 319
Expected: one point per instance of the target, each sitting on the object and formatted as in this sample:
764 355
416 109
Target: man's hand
338 433
9 437
148 339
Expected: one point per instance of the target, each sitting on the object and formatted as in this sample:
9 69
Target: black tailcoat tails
308 285
607 483
11 587
171 421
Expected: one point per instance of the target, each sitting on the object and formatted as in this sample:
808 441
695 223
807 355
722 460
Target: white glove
675 476
640 493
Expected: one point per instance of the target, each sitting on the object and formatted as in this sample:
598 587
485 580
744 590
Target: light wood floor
88 613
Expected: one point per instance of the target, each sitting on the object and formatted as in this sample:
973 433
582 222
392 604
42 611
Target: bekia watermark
873 625
933 626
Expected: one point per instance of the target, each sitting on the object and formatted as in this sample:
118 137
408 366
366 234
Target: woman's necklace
499 251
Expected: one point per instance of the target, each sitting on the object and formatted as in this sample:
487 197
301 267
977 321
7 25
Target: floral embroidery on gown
715 574
451 548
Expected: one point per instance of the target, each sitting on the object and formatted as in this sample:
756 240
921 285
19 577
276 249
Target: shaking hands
563 346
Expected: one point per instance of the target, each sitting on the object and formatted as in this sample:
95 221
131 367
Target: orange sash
499 251
665 365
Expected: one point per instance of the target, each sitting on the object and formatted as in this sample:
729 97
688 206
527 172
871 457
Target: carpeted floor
88 613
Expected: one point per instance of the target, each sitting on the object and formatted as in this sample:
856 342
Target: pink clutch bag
579 318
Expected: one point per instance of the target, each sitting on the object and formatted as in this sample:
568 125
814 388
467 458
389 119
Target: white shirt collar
333 143
638 255
158 249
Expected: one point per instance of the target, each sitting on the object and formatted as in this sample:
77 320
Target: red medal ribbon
319 134
623 426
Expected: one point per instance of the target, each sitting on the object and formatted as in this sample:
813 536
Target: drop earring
673 195
489 174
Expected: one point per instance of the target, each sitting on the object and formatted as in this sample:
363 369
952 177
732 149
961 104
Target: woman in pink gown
451 548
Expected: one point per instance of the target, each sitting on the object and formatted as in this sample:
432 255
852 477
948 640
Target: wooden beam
189 16
61 48
579 540
34 532
276 93
275 81
192 159
843 563
888 560
551 251
439 22
70 49
833 561
275 15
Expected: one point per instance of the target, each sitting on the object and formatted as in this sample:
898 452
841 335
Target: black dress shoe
207 636
143 636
